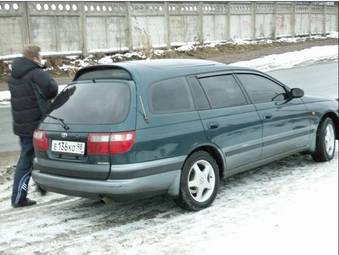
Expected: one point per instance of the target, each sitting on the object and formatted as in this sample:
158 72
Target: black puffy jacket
25 109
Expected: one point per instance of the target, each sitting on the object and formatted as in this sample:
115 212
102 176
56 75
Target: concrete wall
87 27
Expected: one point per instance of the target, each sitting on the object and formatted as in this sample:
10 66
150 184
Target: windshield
104 102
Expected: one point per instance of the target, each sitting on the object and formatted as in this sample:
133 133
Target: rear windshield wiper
63 124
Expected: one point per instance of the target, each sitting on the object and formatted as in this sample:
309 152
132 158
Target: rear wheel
199 182
325 143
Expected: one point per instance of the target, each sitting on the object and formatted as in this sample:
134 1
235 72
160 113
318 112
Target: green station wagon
142 128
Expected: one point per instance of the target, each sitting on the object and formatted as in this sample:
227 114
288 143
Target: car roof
149 71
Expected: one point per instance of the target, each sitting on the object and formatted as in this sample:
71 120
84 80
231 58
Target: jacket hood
21 66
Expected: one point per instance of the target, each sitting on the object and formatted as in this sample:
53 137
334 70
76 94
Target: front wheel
325 141
199 182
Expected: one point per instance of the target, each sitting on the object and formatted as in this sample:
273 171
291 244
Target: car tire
199 182
325 141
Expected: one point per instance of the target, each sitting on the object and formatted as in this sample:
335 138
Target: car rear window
93 103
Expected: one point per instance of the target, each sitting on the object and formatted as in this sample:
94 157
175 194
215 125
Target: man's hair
31 51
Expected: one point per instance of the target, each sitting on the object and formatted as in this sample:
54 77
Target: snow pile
134 55
290 40
105 60
291 59
186 47
238 41
109 59
159 52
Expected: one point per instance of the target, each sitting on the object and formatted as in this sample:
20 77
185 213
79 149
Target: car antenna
143 109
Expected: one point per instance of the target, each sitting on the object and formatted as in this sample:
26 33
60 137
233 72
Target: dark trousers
23 170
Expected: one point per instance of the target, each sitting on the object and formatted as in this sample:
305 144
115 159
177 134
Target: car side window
199 95
261 89
223 91
170 96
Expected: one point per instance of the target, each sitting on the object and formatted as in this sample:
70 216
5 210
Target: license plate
68 147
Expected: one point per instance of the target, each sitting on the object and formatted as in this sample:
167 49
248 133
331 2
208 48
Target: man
26 73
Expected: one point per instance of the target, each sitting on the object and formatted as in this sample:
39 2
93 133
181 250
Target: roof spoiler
102 72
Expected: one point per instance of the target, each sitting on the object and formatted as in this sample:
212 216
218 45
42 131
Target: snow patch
159 52
5 95
187 47
60 53
292 59
4 57
333 34
109 50
105 60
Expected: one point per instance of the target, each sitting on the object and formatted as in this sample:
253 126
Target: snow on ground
286 207
333 34
292 59
43 53
5 97
287 39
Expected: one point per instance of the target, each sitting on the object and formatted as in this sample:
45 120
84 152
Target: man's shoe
41 191
27 202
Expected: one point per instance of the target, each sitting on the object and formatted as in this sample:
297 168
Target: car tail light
40 140
109 143
121 142
98 144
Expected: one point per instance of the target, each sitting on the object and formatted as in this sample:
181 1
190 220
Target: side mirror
296 93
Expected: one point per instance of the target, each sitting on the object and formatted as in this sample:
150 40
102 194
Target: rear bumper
122 189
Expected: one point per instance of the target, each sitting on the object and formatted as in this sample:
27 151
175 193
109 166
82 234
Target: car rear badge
64 135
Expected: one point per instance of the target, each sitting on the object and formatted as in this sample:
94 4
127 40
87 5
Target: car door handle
268 116
213 125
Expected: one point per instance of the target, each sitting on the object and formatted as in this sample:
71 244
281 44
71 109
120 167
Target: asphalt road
317 80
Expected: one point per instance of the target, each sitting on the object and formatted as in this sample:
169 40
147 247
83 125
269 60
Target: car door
286 122
229 121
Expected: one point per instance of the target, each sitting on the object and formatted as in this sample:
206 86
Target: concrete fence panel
104 26
331 18
11 28
96 33
284 20
215 22
302 20
241 21
44 32
148 25
116 33
317 20
88 27
264 20
68 28
184 23
54 26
